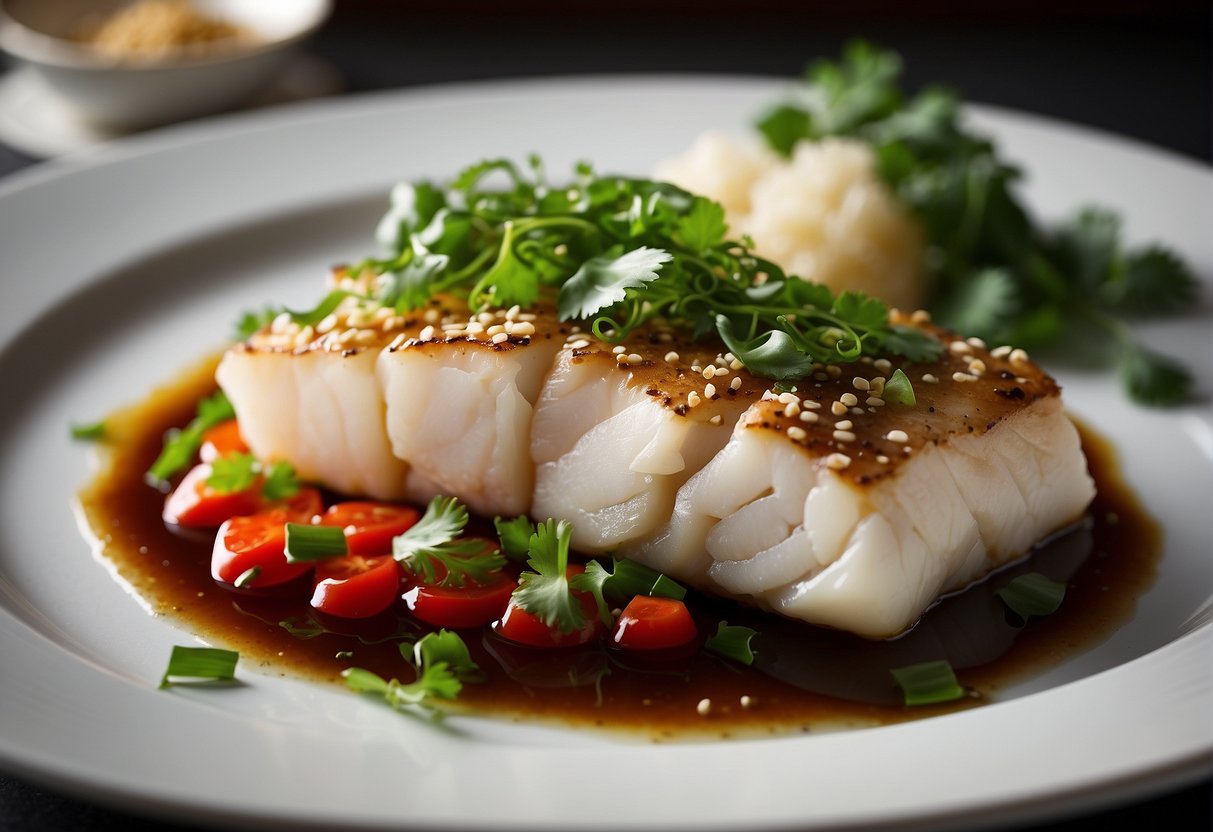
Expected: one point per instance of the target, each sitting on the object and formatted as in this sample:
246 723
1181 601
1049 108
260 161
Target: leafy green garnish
1032 594
993 272
432 548
442 663
237 472
252 322
732 642
616 252
180 446
545 592
246 578
515 536
629 578
92 433
305 542
199 664
928 683
898 390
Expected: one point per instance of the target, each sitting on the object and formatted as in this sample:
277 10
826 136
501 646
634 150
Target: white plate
125 265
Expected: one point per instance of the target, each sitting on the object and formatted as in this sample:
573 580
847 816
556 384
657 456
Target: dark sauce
804 678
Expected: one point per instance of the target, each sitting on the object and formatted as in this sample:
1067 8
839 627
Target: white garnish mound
823 215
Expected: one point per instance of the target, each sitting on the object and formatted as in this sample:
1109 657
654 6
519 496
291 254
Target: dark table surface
1146 75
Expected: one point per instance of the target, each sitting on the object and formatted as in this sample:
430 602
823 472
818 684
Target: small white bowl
136 94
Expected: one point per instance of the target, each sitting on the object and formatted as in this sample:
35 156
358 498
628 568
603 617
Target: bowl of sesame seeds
132 64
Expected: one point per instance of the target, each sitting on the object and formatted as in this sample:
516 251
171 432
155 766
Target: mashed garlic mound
823 215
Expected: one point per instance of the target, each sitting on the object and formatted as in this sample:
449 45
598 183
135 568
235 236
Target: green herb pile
617 253
995 274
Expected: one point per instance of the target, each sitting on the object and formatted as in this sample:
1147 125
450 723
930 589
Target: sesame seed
976 342
735 364
849 399
709 372
620 358
797 434
366 336
693 399
397 342
882 364
579 344
920 316
844 436
672 357
474 328
496 329
735 384
898 436
811 405
882 459
791 408
1019 357
501 337
485 318
960 347
1001 352
721 372
861 384
833 371
838 408
788 397
635 358
704 707
930 378
695 368
769 396
512 312
426 334
431 316
747 701
523 328
709 391
326 323
874 401
619 349
716 420
958 376
977 366
845 424
837 462
808 416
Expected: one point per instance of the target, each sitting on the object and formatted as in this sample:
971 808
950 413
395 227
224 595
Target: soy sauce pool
803 678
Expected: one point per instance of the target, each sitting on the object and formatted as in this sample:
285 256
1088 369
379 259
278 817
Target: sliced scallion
247 577
305 542
1032 594
199 664
91 433
732 642
928 683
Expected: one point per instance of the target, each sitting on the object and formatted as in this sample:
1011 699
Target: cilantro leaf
412 208
774 354
1151 378
232 473
545 592
592 580
603 281
281 481
984 305
515 536
431 549
448 648
703 226
1153 282
784 126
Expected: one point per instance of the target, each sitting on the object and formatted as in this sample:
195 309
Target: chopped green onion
247 577
92 432
732 642
898 390
305 542
344 654
199 664
1032 594
928 683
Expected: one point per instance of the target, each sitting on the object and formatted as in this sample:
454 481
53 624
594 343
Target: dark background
1137 69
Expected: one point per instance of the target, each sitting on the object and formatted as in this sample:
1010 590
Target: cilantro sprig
994 272
434 549
237 472
616 252
442 662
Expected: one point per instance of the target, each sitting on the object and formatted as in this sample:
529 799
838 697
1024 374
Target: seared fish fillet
619 429
459 401
833 506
